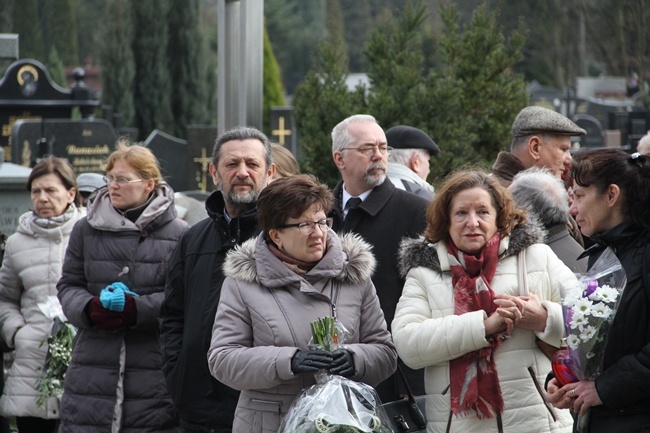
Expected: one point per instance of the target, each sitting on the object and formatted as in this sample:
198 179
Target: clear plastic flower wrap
336 404
589 308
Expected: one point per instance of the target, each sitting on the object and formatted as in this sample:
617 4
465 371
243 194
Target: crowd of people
205 327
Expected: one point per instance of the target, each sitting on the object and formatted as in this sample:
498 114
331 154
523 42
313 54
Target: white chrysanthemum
584 306
587 333
572 341
572 297
578 319
601 310
607 294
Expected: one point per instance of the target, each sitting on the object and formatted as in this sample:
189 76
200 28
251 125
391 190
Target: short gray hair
340 135
242 133
541 194
403 156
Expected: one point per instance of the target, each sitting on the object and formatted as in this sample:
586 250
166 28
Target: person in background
88 183
285 163
29 273
241 167
612 207
111 289
408 162
543 196
464 319
368 204
644 145
540 138
293 273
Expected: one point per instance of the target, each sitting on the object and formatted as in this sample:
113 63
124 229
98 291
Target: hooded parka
263 319
114 382
428 334
30 270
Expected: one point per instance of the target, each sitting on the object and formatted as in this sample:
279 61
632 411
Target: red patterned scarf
474 382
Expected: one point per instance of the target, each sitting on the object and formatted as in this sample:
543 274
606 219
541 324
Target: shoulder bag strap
416 413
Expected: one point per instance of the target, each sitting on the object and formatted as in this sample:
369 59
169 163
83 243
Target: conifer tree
152 81
273 91
117 62
26 22
63 32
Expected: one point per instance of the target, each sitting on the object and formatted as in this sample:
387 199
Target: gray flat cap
408 137
89 182
538 120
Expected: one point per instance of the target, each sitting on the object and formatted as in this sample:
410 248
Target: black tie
353 202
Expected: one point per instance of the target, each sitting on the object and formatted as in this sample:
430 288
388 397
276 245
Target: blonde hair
140 158
285 163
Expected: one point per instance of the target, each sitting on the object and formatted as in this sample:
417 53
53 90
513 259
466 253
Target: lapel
369 208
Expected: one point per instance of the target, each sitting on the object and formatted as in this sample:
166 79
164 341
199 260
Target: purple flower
592 285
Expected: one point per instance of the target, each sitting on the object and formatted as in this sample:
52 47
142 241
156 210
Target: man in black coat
370 205
241 167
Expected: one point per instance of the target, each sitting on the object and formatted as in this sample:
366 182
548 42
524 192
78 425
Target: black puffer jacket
624 385
192 295
114 382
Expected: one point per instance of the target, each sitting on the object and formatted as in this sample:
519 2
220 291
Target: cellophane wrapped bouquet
589 308
59 352
335 404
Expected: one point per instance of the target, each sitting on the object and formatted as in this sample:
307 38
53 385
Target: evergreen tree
319 104
358 20
63 32
184 49
152 81
55 68
117 62
27 23
273 90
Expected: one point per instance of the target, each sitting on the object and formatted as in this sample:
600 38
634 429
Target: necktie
353 202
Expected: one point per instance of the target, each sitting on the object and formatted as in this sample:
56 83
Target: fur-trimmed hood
348 258
417 252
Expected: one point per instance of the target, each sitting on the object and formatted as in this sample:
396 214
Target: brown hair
438 212
285 162
289 197
631 173
59 167
140 158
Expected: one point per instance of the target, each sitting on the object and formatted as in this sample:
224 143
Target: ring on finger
572 393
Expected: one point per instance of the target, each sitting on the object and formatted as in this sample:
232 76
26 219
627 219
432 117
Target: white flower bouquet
59 352
335 404
589 309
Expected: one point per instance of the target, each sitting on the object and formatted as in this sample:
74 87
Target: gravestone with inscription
14 198
282 131
84 143
172 155
28 92
200 142
595 135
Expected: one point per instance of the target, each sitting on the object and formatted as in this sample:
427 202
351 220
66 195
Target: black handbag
407 416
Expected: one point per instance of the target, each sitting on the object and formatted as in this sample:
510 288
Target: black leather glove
310 361
342 363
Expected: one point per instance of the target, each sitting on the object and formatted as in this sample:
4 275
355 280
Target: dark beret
539 120
407 137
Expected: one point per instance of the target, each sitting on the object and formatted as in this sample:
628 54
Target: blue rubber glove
112 296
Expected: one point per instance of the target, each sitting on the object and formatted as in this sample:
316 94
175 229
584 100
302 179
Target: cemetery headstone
200 142
172 155
282 131
84 143
14 198
595 135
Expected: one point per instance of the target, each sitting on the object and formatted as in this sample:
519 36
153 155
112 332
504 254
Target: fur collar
359 265
417 252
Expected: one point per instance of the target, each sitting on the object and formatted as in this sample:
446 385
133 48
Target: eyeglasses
308 227
121 181
369 150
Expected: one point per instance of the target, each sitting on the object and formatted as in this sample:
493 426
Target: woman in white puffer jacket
30 270
463 318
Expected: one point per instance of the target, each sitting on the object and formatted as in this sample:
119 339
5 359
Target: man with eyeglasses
241 167
368 203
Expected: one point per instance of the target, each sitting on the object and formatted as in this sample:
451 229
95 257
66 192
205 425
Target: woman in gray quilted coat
30 270
296 271
111 289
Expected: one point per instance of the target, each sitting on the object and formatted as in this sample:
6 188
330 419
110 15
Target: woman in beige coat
30 270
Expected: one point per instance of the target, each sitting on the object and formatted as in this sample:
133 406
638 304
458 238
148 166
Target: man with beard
370 205
241 166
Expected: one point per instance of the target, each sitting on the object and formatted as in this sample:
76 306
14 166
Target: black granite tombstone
84 143
595 135
172 155
282 131
200 142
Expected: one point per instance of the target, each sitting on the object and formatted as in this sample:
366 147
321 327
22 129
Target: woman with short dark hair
30 270
612 208
296 271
